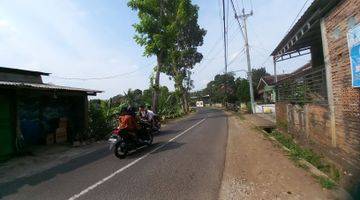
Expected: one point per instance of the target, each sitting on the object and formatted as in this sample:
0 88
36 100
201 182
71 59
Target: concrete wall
346 98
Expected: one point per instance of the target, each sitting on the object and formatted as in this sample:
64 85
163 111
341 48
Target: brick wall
318 125
310 122
281 115
346 98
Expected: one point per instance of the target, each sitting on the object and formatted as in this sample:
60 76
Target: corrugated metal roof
22 71
46 87
316 10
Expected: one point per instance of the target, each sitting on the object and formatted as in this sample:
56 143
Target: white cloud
4 24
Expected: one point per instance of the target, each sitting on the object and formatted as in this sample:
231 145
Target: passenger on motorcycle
143 114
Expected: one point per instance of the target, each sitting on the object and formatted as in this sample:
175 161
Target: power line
297 16
210 60
236 56
251 5
98 78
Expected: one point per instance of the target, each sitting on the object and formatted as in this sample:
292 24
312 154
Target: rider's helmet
131 110
122 109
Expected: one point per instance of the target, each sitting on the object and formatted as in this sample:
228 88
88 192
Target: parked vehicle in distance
200 104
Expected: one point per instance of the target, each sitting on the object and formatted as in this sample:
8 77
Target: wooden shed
36 113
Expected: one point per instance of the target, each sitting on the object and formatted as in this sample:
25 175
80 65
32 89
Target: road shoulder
256 169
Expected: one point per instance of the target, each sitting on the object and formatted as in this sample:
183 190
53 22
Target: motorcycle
121 142
156 125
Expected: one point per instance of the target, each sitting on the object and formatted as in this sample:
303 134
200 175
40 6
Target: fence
308 86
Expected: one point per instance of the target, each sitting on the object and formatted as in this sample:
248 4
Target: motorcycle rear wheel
150 141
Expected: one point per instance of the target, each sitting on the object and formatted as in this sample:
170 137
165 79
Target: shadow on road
169 146
11 187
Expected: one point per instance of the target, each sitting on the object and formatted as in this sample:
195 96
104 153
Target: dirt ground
45 157
256 169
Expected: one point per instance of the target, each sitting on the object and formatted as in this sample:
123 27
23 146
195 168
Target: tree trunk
183 97
155 99
185 101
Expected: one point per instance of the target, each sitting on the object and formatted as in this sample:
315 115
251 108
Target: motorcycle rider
128 123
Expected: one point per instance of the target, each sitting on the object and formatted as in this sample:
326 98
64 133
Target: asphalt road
185 162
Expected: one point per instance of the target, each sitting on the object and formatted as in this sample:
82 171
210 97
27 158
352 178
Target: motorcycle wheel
150 141
119 151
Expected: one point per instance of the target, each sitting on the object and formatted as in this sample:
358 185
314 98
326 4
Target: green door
6 134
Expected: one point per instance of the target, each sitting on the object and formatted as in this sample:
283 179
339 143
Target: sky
85 39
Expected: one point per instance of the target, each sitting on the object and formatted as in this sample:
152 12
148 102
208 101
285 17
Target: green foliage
156 26
326 183
101 120
237 90
296 153
242 90
169 30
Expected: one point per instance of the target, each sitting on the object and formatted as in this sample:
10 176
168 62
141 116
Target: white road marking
76 196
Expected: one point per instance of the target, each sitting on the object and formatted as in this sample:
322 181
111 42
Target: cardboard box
60 138
50 139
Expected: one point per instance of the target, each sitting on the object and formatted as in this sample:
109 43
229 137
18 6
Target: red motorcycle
121 142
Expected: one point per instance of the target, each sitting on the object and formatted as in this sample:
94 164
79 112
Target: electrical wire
251 5
302 8
98 78
236 56
203 66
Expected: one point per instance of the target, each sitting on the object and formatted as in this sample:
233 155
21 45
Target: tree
217 90
156 32
242 90
184 54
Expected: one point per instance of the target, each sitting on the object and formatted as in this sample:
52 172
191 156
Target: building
320 106
266 87
36 113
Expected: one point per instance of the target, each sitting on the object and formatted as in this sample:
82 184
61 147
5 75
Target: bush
101 120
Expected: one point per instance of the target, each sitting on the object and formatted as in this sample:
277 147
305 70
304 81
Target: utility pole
244 17
225 50
275 73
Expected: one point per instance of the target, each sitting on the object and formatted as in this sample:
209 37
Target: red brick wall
346 98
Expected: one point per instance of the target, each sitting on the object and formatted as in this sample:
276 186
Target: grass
241 117
297 153
326 183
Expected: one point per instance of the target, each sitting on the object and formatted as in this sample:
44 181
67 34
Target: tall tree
184 54
156 31
242 90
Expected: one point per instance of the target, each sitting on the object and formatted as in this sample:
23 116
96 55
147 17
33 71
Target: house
266 87
320 105
36 113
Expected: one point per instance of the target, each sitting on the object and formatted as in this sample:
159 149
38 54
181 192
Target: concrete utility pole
275 73
244 17
225 49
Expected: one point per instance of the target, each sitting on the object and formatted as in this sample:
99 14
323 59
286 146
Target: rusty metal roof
43 86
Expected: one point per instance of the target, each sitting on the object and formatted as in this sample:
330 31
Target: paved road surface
187 167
